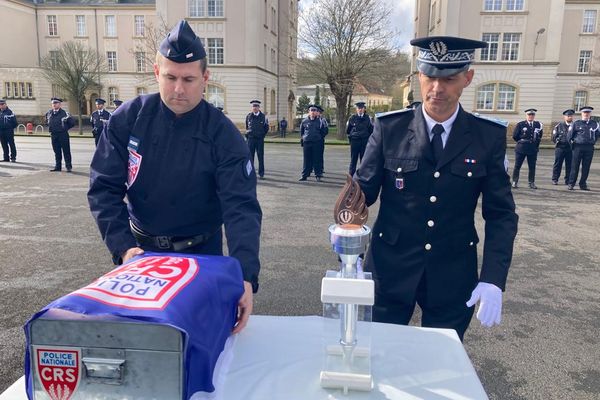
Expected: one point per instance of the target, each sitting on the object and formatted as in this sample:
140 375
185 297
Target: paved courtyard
548 346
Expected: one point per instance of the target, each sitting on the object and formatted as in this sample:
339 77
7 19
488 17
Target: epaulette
492 119
395 112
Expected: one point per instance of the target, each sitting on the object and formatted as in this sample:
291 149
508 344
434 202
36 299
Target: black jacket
528 137
359 127
257 126
59 121
8 120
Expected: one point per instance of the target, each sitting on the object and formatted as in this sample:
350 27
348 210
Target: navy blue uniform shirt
359 127
8 121
98 119
182 177
584 132
528 136
313 130
59 121
257 126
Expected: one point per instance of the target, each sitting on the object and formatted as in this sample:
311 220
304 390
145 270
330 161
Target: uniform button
433 199
469 174
189 243
427 246
436 174
430 223
399 170
380 234
471 243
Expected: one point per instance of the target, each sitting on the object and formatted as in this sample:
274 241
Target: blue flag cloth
195 294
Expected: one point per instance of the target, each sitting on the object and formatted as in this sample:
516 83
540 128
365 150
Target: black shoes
532 185
69 170
555 182
571 187
586 188
318 179
303 178
514 185
55 170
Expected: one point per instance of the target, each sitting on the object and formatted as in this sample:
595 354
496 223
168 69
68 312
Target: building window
580 99
111 58
140 25
58 91
492 5
583 66
80 24
265 97
29 87
485 97
18 90
215 51
432 16
140 91
215 8
196 8
15 89
514 5
52 25
589 21
490 53
215 95
273 60
54 58
140 61
273 19
273 98
510 46
7 90
113 94
110 26
265 56
496 97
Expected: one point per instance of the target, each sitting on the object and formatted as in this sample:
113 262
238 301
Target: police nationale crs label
148 283
58 370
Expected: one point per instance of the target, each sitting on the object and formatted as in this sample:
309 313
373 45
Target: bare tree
76 69
343 38
147 46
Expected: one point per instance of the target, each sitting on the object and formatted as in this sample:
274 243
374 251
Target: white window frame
80 25
509 47
111 60
584 61
483 94
215 94
113 94
139 25
492 5
52 22
110 26
515 5
503 96
215 8
216 51
580 99
140 90
507 95
589 21
493 46
140 61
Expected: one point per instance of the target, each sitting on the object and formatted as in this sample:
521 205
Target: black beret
441 56
182 45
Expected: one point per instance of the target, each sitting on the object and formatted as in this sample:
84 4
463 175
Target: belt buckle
163 242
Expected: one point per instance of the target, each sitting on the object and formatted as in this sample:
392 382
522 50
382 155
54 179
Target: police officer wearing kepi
184 168
59 122
528 135
429 166
562 152
312 136
8 123
583 136
117 103
283 127
358 129
257 126
99 119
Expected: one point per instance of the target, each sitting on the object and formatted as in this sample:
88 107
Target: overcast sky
402 20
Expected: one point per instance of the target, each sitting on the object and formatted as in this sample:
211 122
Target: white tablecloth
407 363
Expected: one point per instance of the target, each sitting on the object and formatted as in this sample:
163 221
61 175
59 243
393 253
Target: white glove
490 307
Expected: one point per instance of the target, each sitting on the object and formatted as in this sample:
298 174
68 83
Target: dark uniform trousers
562 153
424 244
61 145
357 151
582 154
257 146
7 138
531 161
313 157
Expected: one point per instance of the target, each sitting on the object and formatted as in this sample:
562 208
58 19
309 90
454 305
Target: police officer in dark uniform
429 166
8 123
358 129
59 122
188 171
257 126
312 136
583 136
320 111
562 152
528 135
117 103
283 127
99 118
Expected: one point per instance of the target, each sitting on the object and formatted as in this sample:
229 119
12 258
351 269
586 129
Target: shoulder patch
395 112
495 120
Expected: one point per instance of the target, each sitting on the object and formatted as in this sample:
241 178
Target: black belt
175 243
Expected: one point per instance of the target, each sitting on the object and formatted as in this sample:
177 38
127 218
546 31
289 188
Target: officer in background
429 166
321 162
188 171
312 134
528 135
59 122
583 136
257 126
358 129
99 118
8 123
562 152
117 103
282 127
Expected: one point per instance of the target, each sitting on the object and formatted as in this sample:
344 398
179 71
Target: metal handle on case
109 371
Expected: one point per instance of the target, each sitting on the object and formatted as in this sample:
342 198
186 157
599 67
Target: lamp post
539 32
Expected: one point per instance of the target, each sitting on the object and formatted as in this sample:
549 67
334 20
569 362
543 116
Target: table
281 357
